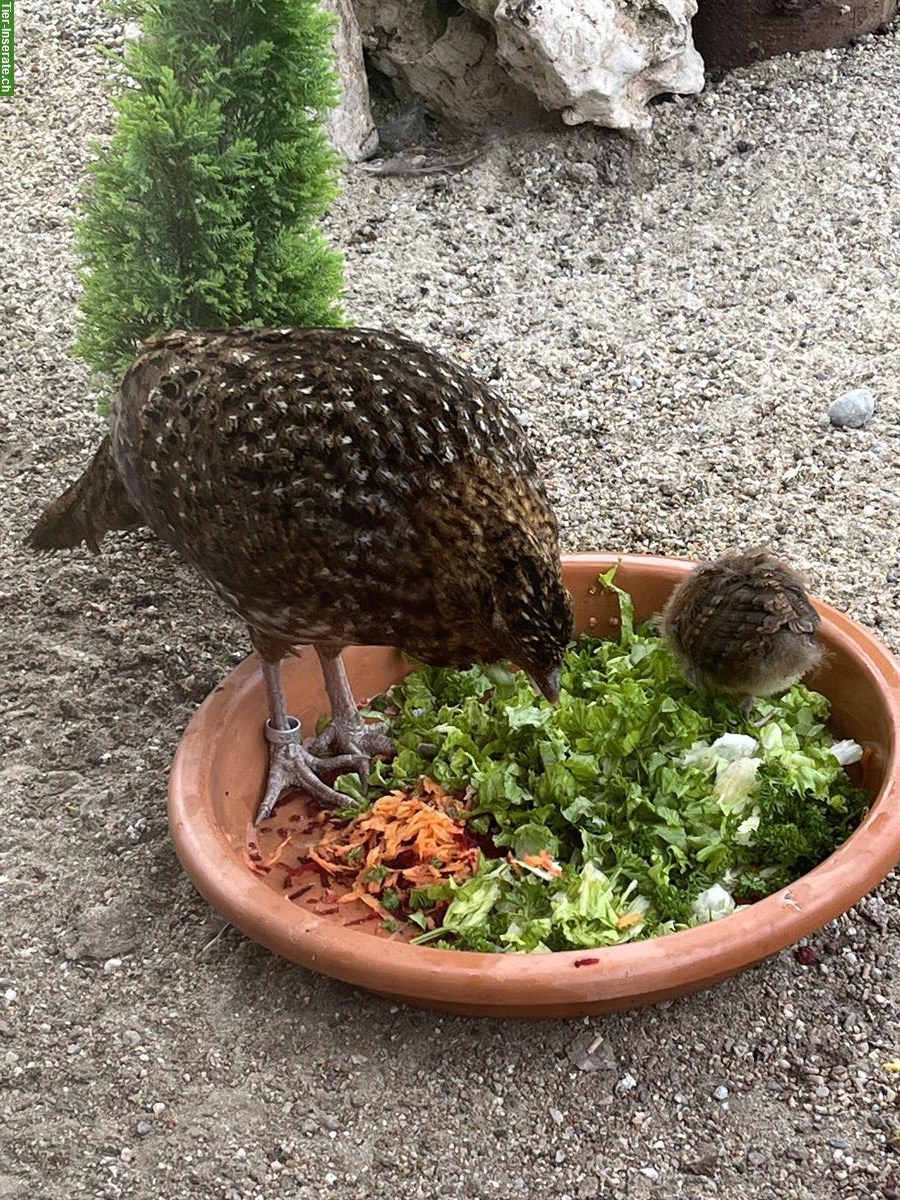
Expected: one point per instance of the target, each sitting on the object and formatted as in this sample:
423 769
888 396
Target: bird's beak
547 685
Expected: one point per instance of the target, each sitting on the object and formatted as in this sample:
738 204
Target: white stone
591 60
350 125
600 60
853 409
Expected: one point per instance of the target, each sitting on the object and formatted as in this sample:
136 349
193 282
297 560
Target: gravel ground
673 319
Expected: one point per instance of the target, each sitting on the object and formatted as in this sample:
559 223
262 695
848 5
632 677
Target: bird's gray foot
347 732
352 737
291 764
347 744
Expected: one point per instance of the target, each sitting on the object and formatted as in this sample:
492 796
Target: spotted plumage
743 625
334 486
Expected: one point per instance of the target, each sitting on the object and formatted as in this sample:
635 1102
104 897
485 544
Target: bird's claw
359 737
291 764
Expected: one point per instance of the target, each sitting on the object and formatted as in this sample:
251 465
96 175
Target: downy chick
742 625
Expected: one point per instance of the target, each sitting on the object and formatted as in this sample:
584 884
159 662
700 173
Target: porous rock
599 60
591 60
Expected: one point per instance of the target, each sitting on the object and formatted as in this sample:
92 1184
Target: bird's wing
731 620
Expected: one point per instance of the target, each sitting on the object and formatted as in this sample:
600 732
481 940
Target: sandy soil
672 319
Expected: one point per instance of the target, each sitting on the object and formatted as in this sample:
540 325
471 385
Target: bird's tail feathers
94 504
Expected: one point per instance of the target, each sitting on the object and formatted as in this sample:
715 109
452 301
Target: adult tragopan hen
335 486
743 625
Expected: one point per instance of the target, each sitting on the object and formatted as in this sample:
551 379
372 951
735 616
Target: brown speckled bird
742 625
335 487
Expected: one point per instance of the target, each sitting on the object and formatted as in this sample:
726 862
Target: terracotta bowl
216 783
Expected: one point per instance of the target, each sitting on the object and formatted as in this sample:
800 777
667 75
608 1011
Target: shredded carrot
413 838
279 850
407 839
331 867
543 860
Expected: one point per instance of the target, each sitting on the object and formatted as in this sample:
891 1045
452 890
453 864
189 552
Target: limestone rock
591 60
599 60
350 125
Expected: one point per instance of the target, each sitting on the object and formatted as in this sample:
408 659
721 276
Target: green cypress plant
202 210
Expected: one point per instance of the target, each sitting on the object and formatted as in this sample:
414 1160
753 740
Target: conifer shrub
202 210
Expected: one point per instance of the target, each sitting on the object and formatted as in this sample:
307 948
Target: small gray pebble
853 409
143 1128
581 172
136 830
131 1037
721 1092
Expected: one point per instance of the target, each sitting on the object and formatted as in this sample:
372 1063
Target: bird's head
531 621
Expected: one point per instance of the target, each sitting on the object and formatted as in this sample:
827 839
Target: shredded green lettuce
659 806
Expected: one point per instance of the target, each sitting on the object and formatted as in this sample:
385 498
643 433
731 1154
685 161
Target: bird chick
335 487
742 625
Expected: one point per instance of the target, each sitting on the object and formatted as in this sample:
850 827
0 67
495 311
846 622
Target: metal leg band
284 737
